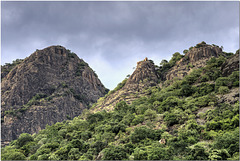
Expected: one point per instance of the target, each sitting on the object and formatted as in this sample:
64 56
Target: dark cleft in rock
49 86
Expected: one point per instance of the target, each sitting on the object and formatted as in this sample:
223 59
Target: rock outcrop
135 86
230 65
49 86
194 58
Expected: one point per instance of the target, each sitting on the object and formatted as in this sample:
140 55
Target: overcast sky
112 36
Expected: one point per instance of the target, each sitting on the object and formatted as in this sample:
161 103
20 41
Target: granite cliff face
135 86
195 58
49 86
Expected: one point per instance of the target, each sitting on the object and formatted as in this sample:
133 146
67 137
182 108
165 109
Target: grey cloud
119 32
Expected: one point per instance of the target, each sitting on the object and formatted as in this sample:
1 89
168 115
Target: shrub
222 81
115 153
198 153
23 139
13 156
141 133
74 154
140 154
170 118
121 107
150 114
138 119
223 89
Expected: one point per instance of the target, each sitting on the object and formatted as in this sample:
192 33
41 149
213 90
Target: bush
138 119
229 141
150 114
115 153
13 156
158 153
141 133
94 118
219 154
121 107
198 153
74 154
23 139
222 81
223 90
170 118
140 154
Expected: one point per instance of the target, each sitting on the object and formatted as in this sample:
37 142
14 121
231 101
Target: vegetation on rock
181 120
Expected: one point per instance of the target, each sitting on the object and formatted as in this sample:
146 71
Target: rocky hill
144 77
49 86
185 109
196 57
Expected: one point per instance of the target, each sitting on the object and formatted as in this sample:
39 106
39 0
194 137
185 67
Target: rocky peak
194 58
200 52
50 85
145 71
134 87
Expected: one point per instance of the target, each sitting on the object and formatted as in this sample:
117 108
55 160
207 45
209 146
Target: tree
158 153
223 89
140 154
141 133
185 51
198 153
163 62
170 118
74 154
23 139
150 114
115 153
13 155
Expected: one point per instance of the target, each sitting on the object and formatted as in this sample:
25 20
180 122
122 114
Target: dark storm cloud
112 36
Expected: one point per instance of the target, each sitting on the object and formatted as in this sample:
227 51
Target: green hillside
184 119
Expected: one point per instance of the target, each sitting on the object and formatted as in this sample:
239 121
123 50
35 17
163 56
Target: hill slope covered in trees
192 113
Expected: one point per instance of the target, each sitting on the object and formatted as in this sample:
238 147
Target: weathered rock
231 97
142 78
194 58
49 86
230 65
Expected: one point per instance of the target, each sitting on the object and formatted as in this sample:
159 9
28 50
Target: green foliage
115 153
170 118
229 141
23 139
13 156
138 119
81 66
223 89
185 51
141 133
35 100
186 116
198 153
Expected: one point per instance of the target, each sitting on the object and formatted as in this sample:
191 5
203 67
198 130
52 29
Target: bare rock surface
142 78
49 86
195 58
230 65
